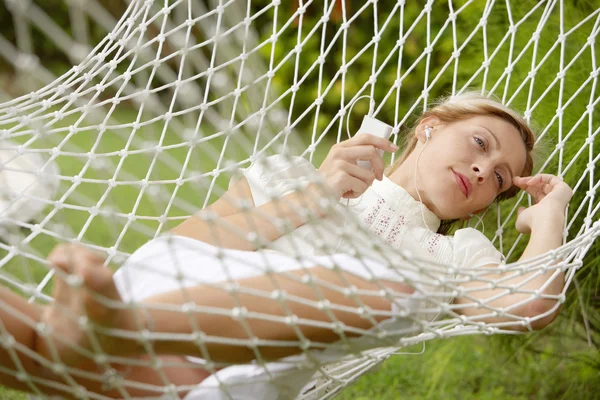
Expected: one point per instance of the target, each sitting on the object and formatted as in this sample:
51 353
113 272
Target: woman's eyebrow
494 135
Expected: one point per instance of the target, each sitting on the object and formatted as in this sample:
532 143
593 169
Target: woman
465 153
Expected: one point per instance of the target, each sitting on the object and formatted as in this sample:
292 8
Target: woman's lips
463 183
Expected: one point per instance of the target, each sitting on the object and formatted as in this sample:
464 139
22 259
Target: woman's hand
551 196
339 168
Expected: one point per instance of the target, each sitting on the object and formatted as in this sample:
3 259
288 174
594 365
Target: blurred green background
561 362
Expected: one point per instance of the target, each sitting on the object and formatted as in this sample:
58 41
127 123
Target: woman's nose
479 173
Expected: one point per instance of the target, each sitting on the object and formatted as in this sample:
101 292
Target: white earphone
428 132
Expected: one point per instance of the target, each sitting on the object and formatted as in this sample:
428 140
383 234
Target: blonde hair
465 106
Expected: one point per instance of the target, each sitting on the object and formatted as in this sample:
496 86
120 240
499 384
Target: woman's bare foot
86 306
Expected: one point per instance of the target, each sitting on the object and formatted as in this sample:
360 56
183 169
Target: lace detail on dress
395 236
385 222
382 222
433 242
372 213
402 202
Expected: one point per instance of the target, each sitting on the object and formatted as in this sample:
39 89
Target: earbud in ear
427 132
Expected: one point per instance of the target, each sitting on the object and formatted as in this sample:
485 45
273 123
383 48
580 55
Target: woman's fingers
351 177
68 257
364 152
520 181
365 175
372 140
340 166
541 185
353 187
525 183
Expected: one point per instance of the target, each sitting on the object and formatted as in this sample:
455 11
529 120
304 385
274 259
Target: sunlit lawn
472 368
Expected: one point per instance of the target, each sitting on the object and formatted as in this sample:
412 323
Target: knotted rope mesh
154 119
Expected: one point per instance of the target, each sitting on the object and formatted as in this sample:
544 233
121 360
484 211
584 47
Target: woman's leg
117 326
17 337
17 318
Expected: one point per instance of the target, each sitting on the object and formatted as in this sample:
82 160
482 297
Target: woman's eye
480 142
500 179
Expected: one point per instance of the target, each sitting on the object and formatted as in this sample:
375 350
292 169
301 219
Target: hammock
152 121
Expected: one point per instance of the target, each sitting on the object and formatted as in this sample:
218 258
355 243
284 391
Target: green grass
125 198
475 368
6 394
480 368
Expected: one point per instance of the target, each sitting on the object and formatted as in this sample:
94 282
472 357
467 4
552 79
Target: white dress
386 213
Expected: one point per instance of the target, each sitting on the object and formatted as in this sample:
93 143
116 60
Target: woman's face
464 165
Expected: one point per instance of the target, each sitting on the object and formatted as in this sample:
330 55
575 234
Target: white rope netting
152 122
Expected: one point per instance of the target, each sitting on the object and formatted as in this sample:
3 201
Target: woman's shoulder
281 166
470 235
472 249
276 176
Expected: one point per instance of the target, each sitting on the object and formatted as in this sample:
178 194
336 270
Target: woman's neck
404 176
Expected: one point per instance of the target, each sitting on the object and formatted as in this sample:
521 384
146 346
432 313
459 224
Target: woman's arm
545 222
546 235
231 226
267 222
17 319
229 203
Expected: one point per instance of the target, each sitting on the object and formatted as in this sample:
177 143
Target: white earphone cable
350 111
349 137
427 135
480 220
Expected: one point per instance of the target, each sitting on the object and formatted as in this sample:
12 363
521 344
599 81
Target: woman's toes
69 260
62 257
85 288
101 288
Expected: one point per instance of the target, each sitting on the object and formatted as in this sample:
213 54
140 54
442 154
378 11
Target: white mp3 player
373 126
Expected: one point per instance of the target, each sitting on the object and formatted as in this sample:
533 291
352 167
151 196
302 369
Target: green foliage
62 15
11 395
485 54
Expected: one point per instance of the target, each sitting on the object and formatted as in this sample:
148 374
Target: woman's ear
420 131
